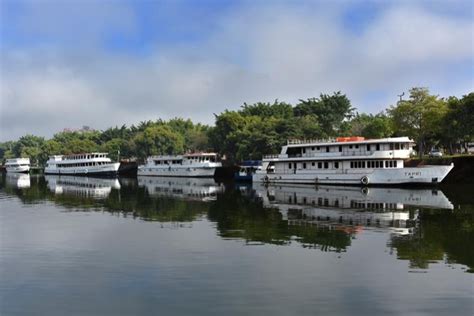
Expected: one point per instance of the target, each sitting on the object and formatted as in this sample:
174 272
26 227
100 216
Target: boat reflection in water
97 188
18 180
197 189
352 208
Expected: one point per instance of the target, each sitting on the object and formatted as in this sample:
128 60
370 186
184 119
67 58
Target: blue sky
105 63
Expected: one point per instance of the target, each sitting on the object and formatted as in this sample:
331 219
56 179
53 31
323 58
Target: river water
147 246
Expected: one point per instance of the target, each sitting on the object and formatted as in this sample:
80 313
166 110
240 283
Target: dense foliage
261 128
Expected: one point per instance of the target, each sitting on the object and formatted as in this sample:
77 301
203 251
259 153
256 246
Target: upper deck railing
309 141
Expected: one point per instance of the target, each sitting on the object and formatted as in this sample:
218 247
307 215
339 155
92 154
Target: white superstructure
348 160
188 165
82 164
21 165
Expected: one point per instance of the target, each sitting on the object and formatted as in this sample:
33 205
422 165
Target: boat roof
347 141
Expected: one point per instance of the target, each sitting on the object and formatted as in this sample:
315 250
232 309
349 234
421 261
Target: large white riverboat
188 165
348 160
82 164
18 165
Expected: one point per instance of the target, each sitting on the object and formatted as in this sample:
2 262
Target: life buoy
364 180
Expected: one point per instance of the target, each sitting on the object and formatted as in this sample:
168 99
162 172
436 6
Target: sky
66 64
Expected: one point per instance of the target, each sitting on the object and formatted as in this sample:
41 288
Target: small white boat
18 165
188 165
349 161
82 164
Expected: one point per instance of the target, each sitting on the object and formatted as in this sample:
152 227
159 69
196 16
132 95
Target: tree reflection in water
428 236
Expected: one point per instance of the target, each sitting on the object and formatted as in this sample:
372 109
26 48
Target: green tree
371 126
419 117
158 140
331 110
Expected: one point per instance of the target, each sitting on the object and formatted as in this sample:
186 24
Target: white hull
417 175
20 169
178 171
107 169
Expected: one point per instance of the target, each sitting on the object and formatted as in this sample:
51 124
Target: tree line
263 127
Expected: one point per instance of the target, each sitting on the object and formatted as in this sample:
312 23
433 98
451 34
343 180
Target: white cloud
255 54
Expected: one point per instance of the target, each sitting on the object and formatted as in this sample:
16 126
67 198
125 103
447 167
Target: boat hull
20 169
200 172
427 175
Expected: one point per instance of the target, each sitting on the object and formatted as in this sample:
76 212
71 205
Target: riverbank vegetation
261 128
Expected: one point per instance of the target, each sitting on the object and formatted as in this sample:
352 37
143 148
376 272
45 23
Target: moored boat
18 165
82 164
349 161
188 165
247 169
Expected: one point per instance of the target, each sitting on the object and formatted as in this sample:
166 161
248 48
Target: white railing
309 141
271 156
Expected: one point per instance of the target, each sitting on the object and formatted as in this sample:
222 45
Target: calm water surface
86 246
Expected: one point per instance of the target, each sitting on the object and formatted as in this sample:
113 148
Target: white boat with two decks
82 164
348 160
18 165
188 165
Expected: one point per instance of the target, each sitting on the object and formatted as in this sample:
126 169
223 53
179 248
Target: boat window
368 147
363 164
386 164
304 150
326 165
391 146
317 147
377 147
336 165
340 148
304 165
327 149
320 165
289 165
350 146
312 148
357 146
397 146
312 164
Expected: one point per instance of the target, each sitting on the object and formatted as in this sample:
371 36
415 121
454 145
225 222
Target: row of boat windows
369 147
180 162
21 165
373 164
80 164
321 165
353 164
168 162
90 156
